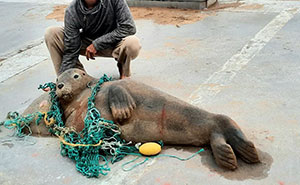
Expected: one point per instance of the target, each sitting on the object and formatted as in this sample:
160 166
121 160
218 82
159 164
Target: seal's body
147 114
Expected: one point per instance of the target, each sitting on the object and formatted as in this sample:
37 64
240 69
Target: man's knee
132 45
53 33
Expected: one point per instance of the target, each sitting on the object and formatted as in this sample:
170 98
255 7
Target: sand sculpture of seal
147 114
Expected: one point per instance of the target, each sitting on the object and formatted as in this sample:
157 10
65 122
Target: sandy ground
251 7
165 15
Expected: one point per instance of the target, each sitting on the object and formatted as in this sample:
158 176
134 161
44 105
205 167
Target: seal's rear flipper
222 152
121 103
244 148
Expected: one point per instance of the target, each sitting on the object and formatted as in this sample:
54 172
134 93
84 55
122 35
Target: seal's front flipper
222 152
121 103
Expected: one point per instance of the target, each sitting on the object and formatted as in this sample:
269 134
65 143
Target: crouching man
94 28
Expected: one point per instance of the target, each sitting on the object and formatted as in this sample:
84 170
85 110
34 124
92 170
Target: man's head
90 3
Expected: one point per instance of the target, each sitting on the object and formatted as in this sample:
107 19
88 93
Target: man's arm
125 27
72 43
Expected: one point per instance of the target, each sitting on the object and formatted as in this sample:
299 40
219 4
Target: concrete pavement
242 62
22 25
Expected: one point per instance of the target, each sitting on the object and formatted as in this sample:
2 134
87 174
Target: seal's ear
121 103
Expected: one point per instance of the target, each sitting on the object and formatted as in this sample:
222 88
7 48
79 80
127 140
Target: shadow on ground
244 171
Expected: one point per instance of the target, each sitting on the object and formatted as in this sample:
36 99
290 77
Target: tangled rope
100 140
94 147
96 130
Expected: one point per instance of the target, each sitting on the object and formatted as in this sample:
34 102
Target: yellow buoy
150 148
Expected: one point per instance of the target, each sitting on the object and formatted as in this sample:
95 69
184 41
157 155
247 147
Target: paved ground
242 62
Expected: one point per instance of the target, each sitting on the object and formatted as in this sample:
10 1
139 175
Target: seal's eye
83 74
76 76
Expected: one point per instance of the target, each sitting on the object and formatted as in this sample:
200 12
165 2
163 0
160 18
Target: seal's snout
60 86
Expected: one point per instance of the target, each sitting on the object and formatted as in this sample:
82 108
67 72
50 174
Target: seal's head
71 83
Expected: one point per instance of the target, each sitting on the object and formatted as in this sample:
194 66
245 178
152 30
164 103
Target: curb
19 61
182 4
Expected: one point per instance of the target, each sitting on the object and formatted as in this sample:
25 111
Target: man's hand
90 52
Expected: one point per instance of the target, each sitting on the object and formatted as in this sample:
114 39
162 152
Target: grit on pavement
242 61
